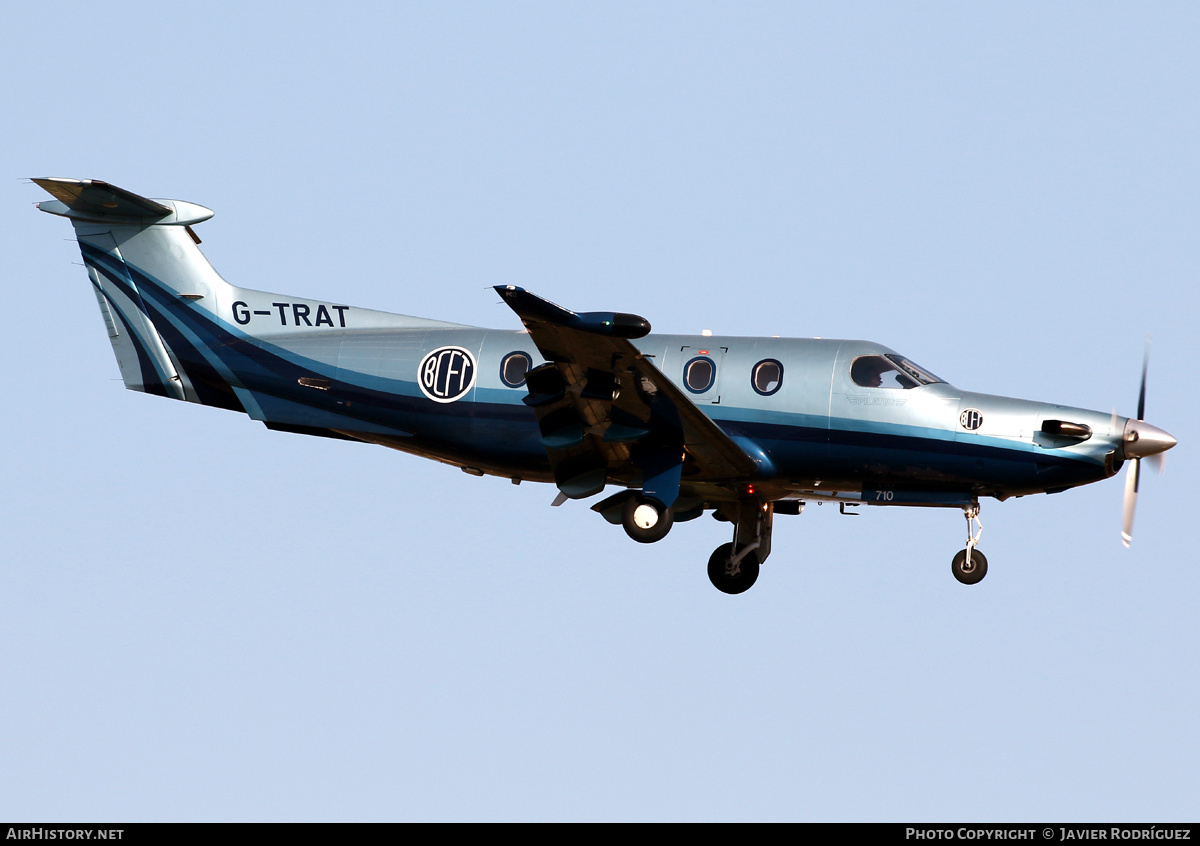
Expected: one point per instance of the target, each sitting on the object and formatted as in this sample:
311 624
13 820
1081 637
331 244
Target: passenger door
700 373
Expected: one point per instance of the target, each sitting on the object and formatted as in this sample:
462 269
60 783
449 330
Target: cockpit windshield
889 371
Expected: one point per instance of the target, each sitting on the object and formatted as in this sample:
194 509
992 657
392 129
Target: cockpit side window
875 371
889 371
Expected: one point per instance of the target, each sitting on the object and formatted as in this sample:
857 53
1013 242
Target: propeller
1130 504
1140 440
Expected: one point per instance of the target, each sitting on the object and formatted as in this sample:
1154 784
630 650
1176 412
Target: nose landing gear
969 565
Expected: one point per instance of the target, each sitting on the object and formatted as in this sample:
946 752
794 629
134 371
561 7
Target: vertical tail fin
147 271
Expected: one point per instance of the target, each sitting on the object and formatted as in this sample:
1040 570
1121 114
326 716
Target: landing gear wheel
969 574
646 520
728 577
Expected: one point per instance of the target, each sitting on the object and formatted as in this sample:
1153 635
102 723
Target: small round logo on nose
446 374
971 419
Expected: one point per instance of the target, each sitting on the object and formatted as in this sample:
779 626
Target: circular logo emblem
447 373
971 419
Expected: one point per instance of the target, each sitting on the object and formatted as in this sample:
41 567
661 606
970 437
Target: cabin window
889 371
513 368
699 374
767 377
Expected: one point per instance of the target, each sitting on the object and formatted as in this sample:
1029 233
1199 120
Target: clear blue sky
205 620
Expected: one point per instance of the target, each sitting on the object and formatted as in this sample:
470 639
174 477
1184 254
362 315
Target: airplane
744 428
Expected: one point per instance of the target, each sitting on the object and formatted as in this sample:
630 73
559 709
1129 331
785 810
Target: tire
646 520
974 575
739 582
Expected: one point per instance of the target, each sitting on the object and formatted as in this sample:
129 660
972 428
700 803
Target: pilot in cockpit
876 371
868 371
889 371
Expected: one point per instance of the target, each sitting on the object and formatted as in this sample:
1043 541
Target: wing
607 414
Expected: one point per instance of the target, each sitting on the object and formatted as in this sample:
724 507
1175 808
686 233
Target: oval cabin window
699 374
767 377
513 368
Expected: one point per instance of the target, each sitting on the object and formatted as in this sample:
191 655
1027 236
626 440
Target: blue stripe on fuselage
875 452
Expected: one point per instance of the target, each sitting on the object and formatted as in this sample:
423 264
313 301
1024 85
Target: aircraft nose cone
1141 439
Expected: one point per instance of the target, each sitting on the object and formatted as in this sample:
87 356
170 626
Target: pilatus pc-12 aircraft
745 428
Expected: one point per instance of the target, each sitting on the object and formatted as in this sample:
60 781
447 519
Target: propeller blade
1131 490
1142 392
1158 461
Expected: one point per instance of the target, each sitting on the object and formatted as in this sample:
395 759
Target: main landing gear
732 572
969 565
645 519
733 567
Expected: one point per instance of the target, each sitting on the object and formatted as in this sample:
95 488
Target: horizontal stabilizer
95 197
91 199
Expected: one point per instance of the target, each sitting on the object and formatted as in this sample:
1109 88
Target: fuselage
795 406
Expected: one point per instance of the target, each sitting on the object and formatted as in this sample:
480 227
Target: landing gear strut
969 565
733 567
